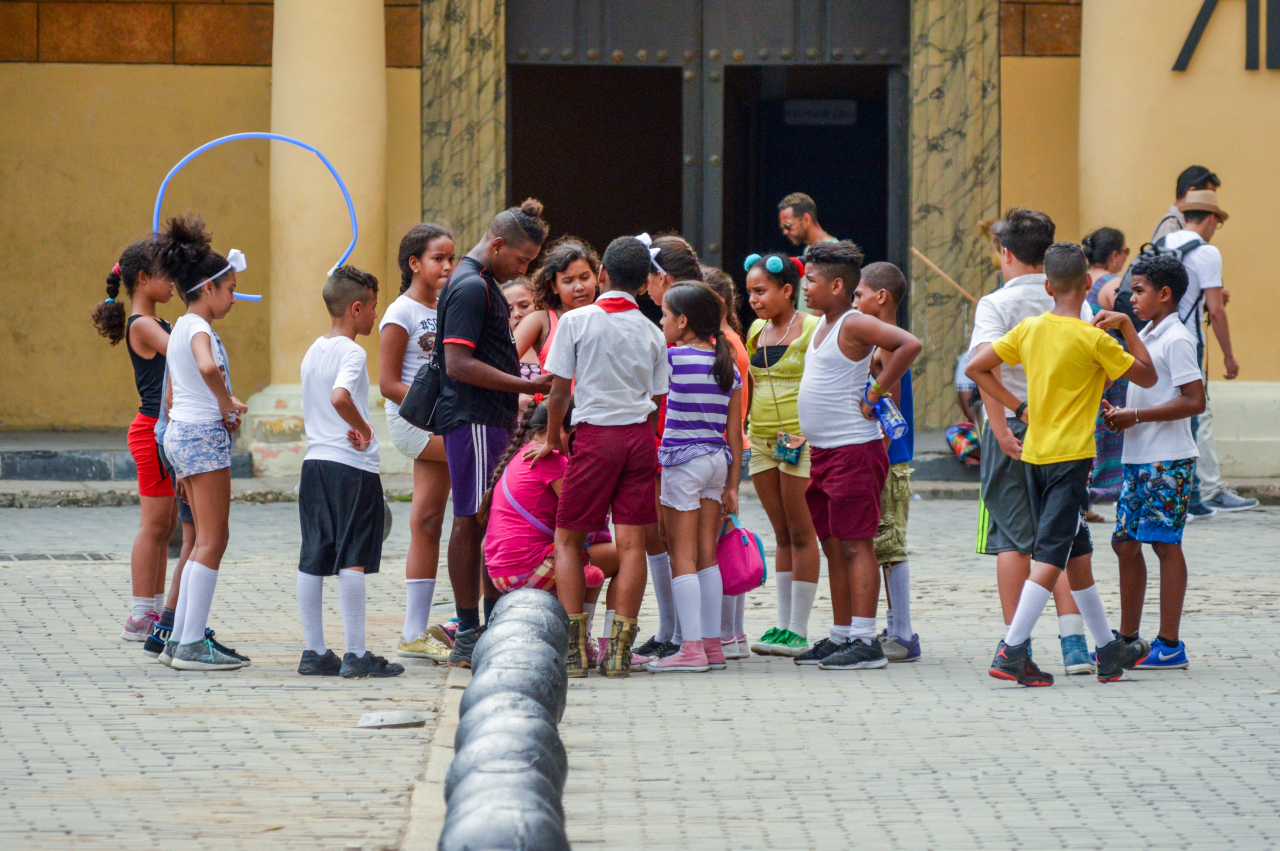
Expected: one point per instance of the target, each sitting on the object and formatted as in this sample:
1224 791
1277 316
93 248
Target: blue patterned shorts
1153 501
197 447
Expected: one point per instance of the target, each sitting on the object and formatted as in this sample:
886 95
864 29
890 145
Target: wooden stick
943 275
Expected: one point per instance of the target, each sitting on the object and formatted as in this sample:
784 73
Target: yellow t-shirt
776 389
1067 362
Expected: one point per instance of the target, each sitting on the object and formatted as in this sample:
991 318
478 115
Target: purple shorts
472 452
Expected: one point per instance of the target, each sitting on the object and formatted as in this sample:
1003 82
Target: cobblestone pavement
936 754
101 748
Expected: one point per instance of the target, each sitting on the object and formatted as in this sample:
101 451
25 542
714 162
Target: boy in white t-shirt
340 495
1159 459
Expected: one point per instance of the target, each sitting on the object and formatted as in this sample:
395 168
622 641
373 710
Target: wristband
1022 409
875 385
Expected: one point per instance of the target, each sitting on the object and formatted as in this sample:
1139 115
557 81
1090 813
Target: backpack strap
520 509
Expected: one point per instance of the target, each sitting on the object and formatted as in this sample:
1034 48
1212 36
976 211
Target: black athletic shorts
342 513
184 510
1059 496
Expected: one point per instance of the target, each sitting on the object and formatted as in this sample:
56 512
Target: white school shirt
330 363
1173 353
618 362
830 392
999 312
1204 272
193 401
420 321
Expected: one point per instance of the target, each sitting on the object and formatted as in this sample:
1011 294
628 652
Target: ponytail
697 303
108 316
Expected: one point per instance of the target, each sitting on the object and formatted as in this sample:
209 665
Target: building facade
910 121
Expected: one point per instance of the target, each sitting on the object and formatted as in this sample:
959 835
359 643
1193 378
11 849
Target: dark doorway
601 147
823 131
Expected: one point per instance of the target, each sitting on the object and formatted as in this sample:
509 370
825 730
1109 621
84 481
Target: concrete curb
426 806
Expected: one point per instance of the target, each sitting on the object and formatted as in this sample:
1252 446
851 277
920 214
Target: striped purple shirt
697 409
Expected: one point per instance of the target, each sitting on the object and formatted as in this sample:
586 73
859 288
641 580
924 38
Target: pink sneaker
736 647
714 648
691 658
596 648
138 630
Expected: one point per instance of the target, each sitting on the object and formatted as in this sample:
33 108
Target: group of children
631 437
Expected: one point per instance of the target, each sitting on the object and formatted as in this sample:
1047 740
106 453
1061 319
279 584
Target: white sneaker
736 647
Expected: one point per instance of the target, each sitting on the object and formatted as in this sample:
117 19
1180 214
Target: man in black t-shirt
480 386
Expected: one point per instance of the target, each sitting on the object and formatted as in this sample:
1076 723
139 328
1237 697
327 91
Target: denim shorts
194 448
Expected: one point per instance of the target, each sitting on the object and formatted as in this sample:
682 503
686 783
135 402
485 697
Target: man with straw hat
1203 217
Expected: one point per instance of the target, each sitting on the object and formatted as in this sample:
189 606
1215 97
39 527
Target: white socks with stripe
782 581
802 594
711 589
660 573
687 594
310 599
417 607
1090 603
351 599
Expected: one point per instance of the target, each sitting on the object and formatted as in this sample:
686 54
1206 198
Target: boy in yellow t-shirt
1068 363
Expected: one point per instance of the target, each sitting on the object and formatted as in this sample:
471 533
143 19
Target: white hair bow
235 260
653 252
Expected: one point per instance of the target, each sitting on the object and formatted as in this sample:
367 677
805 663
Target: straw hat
1206 200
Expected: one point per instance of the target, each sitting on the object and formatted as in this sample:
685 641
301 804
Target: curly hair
109 316
560 255
533 422
1163 270
184 254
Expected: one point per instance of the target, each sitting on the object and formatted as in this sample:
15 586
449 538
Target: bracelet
875 385
867 401
1137 415
1020 410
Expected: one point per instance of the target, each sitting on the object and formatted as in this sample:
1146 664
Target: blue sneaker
1164 656
1075 655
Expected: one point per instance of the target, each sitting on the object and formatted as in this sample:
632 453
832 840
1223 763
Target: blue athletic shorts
1153 501
472 452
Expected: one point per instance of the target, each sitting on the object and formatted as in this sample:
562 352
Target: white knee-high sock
711 587
1090 603
310 598
351 599
660 572
417 607
900 594
802 594
739 615
180 613
589 609
199 581
687 594
728 605
1031 603
783 583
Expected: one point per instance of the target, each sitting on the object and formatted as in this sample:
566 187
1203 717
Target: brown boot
617 658
576 666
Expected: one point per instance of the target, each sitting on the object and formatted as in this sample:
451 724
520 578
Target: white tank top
830 390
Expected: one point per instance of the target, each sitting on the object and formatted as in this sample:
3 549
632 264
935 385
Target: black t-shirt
473 312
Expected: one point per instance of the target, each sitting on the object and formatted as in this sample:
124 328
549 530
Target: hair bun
1087 242
531 207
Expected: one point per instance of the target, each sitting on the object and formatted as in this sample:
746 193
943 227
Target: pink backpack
741 558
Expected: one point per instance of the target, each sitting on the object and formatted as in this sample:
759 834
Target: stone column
329 89
464 111
955 182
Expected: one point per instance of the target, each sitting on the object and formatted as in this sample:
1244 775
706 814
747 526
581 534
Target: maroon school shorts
844 489
610 467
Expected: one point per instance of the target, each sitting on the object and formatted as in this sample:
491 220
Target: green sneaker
789 643
764 647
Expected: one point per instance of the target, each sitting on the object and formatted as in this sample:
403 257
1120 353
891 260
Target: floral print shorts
194 448
1153 501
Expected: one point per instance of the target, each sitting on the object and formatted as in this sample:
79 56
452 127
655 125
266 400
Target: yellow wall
1039 138
1215 114
83 149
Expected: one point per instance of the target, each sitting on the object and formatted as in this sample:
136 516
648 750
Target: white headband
653 252
235 260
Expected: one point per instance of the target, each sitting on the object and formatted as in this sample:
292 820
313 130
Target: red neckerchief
616 304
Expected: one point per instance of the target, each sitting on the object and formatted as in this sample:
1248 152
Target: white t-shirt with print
193 401
420 321
1204 272
330 363
1173 353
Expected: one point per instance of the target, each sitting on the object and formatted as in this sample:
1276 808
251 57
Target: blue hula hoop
351 209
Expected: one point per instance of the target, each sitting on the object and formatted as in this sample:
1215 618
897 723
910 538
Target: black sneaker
315 665
666 649
1014 663
1120 655
855 655
363 667
464 643
208 633
649 648
817 652
156 639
